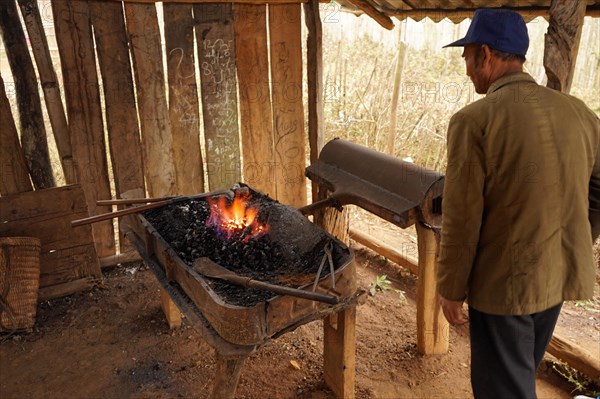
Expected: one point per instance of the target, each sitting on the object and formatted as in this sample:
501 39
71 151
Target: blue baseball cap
502 30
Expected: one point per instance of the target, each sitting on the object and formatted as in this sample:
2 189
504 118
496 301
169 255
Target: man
521 208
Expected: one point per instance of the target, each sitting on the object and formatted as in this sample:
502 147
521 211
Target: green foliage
580 383
383 284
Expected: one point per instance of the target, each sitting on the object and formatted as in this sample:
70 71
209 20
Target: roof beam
370 10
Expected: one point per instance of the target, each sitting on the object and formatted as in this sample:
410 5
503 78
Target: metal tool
326 257
208 268
141 208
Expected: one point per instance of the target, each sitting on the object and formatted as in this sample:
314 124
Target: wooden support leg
339 352
432 326
171 310
227 375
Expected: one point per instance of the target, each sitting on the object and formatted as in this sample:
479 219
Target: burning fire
236 220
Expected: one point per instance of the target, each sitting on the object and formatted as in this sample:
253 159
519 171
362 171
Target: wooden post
82 93
562 42
400 61
560 56
288 109
432 326
314 49
184 110
227 375
170 310
121 114
50 85
256 119
339 352
33 133
216 57
14 177
159 167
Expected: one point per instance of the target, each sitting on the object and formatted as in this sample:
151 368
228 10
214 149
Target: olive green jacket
521 202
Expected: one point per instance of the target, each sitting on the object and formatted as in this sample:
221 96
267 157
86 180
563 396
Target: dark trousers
506 352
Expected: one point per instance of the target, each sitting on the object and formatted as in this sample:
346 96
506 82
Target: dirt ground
113 342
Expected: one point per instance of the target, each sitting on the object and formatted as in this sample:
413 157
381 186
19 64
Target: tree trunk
562 42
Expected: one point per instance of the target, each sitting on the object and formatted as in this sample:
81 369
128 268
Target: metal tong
326 257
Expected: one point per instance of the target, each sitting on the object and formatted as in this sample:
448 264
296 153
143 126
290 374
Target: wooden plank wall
134 125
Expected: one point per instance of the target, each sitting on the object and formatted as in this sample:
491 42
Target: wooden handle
159 202
130 201
209 268
280 289
122 212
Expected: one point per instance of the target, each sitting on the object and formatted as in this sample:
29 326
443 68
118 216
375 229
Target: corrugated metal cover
458 10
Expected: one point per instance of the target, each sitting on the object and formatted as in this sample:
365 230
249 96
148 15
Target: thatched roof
455 10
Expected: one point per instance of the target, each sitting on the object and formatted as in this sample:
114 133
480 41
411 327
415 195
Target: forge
253 236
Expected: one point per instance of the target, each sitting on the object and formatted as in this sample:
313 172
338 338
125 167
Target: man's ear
486 53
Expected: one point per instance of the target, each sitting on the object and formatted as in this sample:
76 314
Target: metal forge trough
235 325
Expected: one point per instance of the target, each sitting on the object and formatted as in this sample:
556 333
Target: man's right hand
453 311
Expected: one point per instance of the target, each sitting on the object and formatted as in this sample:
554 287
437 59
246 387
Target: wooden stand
171 310
432 326
339 352
227 375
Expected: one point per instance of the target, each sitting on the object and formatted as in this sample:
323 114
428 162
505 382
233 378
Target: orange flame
236 220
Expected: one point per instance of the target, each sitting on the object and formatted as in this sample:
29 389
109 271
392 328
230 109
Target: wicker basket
19 282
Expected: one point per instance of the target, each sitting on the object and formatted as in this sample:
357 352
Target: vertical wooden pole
184 110
256 119
216 57
288 109
14 177
339 347
170 310
227 375
314 48
33 133
121 113
159 168
82 93
400 61
562 42
432 326
50 85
